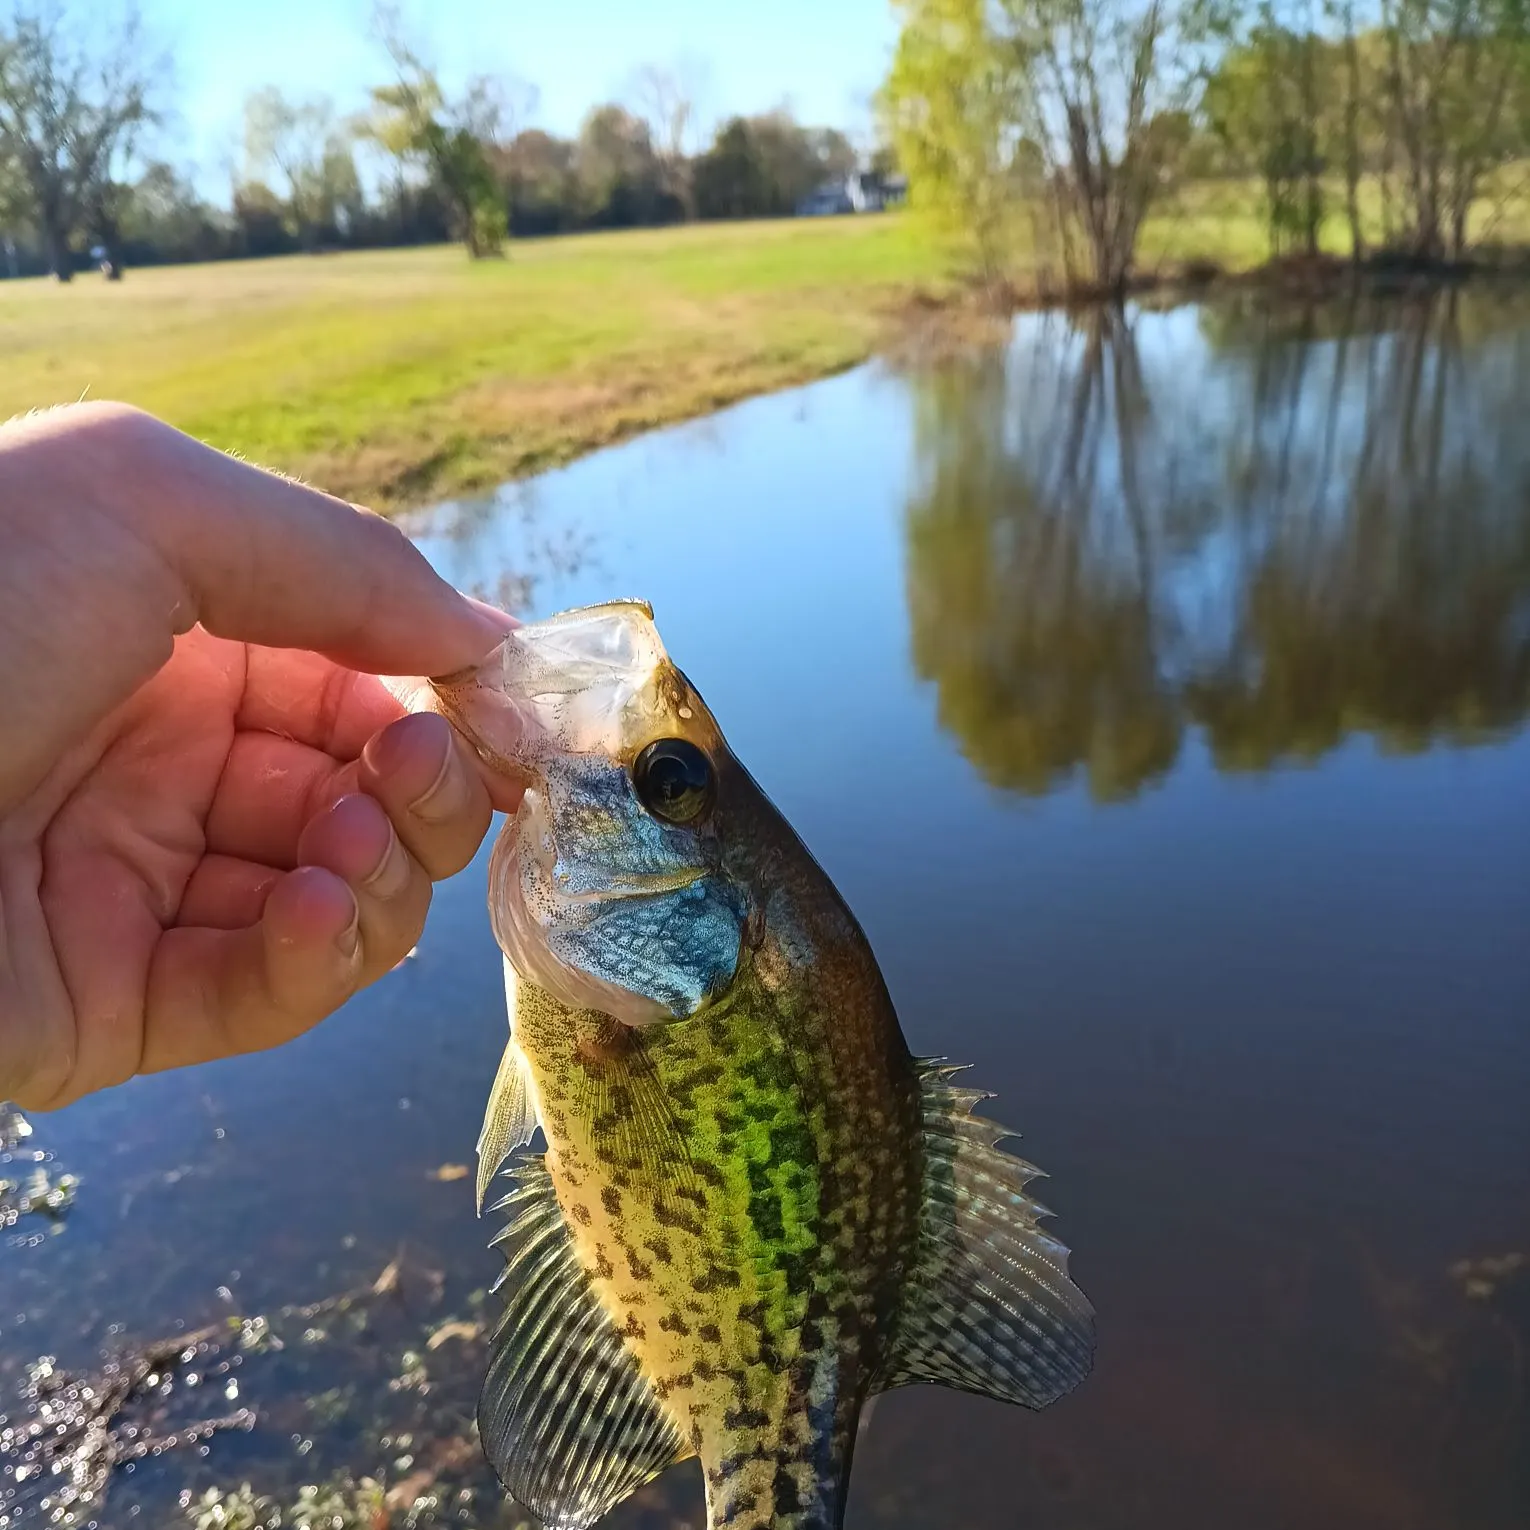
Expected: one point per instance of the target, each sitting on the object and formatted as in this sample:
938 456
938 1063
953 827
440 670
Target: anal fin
510 1121
567 1418
987 1306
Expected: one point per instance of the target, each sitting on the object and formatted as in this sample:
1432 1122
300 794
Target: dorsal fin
510 1121
988 1306
569 1422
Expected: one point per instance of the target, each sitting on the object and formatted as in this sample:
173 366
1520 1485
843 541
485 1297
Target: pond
1154 689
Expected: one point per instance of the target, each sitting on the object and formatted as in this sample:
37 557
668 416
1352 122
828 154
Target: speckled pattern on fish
756 1209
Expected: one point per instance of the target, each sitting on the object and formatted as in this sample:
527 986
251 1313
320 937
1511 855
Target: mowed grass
401 376
1226 220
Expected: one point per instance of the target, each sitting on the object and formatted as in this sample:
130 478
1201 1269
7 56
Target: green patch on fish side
756 1209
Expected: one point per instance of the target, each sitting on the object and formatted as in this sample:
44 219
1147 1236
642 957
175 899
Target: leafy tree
616 172
537 172
1448 75
310 153
1266 102
451 141
262 223
163 218
950 108
73 95
764 166
729 179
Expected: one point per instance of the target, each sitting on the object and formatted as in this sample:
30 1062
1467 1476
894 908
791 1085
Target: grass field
401 376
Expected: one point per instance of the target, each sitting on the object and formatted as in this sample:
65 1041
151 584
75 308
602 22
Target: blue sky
824 57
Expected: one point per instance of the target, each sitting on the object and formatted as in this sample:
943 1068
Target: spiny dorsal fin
988 1306
569 1422
510 1122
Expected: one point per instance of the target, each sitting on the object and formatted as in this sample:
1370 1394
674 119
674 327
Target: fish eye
674 780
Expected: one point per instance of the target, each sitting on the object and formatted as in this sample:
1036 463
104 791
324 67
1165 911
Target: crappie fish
756 1210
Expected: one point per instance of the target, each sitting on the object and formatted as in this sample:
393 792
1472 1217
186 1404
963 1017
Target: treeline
1060 125
80 100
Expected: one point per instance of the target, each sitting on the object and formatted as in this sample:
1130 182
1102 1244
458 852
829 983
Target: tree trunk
60 261
1352 139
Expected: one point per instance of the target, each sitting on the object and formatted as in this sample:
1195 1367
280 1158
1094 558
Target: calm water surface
1154 690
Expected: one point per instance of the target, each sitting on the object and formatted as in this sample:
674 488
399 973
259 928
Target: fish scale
756 1209
753 1239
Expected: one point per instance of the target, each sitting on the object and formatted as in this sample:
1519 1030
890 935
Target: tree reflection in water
1277 529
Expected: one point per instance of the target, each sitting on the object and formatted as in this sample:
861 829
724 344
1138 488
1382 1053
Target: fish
756 1210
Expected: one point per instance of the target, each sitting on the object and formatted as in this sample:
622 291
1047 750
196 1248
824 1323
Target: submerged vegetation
30 1185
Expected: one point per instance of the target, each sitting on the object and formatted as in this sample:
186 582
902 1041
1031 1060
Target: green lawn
404 375
401 376
1225 220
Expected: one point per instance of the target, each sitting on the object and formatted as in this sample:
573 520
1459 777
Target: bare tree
665 97
1448 70
73 97
496 109
309 150
1105 79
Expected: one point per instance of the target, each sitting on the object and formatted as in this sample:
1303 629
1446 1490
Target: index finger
266 560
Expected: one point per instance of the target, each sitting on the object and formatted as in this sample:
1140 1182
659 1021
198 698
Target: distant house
858 192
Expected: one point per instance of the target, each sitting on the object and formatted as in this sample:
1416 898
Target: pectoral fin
988 1306
511 1119
569 1422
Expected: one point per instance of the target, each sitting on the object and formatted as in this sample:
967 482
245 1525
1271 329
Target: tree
73 95
1267 102
793 159
833 154
950 108
413 120
616 171
999 107
665 98
763 166
537 171
1099 74
163 218
261 222
729 179
311 155
1448 72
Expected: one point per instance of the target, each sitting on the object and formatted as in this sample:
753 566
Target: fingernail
447 795
391 874
494 622
349 939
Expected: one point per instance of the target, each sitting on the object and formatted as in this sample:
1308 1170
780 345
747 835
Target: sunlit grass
395 376
400 376
1227 221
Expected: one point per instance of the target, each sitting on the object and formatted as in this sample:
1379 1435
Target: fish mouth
463 699
574 684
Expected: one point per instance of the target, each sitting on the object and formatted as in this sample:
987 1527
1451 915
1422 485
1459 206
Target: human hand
216 823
